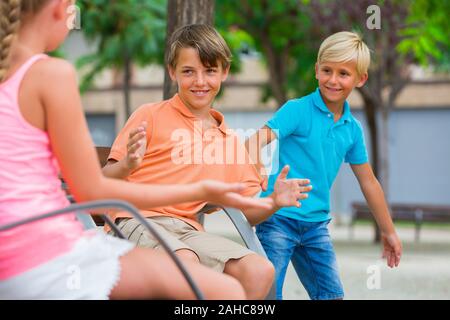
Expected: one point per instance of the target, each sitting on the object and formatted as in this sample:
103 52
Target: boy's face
338 79
197 85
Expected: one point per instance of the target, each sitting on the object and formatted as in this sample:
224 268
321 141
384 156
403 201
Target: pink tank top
29 185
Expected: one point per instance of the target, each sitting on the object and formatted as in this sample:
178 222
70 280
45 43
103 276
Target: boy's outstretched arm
374 195
287 193
254 145
136 146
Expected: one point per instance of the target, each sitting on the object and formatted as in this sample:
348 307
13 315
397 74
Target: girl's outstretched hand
227 195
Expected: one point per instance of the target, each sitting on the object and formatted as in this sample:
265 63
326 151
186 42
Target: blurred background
118 48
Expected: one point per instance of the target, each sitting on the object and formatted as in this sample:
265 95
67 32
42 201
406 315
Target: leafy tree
124 32
281 32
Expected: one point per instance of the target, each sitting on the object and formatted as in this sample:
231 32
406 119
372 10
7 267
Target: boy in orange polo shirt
183 140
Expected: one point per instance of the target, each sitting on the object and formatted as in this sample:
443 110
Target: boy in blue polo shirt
316 134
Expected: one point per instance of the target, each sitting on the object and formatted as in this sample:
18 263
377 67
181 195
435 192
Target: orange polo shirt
179 152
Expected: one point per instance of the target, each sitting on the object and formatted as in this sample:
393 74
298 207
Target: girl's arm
74 149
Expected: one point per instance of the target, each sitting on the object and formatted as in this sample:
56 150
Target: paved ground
424 272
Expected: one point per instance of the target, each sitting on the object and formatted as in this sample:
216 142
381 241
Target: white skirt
89 271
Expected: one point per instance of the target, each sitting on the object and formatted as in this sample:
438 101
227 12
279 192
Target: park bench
238 219
416 213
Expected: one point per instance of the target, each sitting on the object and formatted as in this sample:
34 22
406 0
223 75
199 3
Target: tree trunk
370 112
126 83
384 151
370 109
383 160
181 13
276 64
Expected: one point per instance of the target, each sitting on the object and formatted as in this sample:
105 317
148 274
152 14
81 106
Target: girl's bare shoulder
52 69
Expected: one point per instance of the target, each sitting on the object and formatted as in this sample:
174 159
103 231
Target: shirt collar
220 119
178 105
319 103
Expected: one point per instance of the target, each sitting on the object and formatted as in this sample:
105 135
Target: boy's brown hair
210 45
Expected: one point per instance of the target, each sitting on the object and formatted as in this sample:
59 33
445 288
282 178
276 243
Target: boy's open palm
288 192
137 144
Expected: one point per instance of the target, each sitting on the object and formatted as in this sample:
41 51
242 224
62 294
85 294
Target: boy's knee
259 270
234 291
266 271
255 273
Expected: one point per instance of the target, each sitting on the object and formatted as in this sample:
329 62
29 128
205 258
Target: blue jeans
308 245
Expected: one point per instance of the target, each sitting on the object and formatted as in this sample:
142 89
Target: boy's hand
392 249
227 195
288 192
137 144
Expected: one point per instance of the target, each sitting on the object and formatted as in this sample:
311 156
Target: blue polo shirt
314 147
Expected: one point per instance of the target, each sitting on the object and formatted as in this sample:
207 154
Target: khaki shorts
212 250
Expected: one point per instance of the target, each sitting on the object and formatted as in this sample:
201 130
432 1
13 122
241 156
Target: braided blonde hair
10 14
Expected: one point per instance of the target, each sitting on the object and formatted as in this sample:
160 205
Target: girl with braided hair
42 131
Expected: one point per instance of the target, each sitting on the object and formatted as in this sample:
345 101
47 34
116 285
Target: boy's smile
336 82
200 93
198 85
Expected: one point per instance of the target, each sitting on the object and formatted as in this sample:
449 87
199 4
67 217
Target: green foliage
427 31
58 53
239 42
121 30
281 26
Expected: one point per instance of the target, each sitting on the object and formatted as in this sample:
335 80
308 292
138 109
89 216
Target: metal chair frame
109 204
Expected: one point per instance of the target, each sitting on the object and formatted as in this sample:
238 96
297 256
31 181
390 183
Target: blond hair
343 47
10 14
210 45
